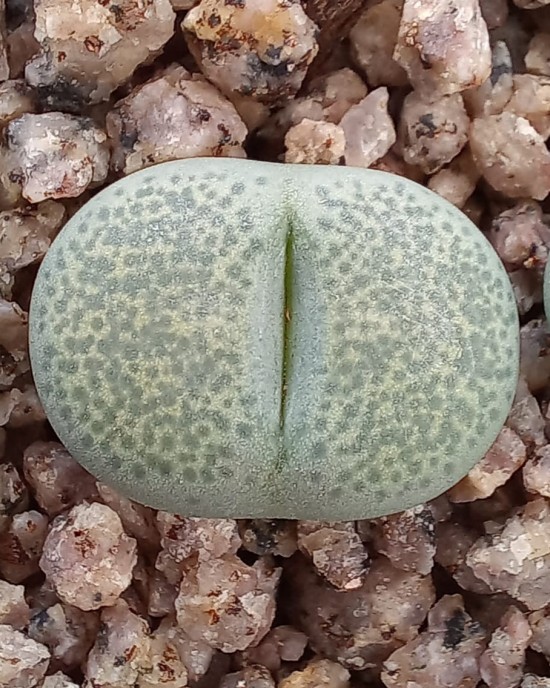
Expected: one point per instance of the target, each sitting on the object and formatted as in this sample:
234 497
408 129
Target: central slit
287 321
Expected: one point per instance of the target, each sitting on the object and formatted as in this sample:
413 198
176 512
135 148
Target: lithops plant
230 338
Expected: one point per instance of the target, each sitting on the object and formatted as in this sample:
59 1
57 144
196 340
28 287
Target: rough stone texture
16 99
528 288
261 536
23 663
57 155
21 545
56 480
535 354
537 59
327 98
539 623
13 494
513 557
373 40
321 672
536 472
22 46
174 116
336 551
359 628
137 520
525 417
315 143
87 556
281 644
122 650
25 236
262 50
505 457
491 97
443 45
369 130
14 610
532 681
164 664
506 149
502 663
432 133
456 182
531 100
444 656
453 544
14 358
226 603
21 407
58 680
518 235
88 49
249 677
67 632
407 539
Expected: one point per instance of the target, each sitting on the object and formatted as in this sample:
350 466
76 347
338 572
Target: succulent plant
230 338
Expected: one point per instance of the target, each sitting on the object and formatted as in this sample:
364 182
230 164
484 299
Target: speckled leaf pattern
234 338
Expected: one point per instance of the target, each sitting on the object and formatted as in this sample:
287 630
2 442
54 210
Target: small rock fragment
139 521
525 417
23 662
250 677
528 288
25 236
407 539
535 354
174 116
21 545
432 133
320 672
91 49
453 544
532 681
314 143
531 100
20 408
57 155
122 649
262 53
22 46
513 557
444 656
456 182
536 472
531 4
336 551
517 235
14 610
327 99
502 663
88 557
537 59
16 99
443 45
57 481
162 595
281 644
165 667
67 632
226 603
539 623
201 538
262 537
506 148
58 680
503 459
368 129
359 628
372 42
13 494
491 97
14 332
